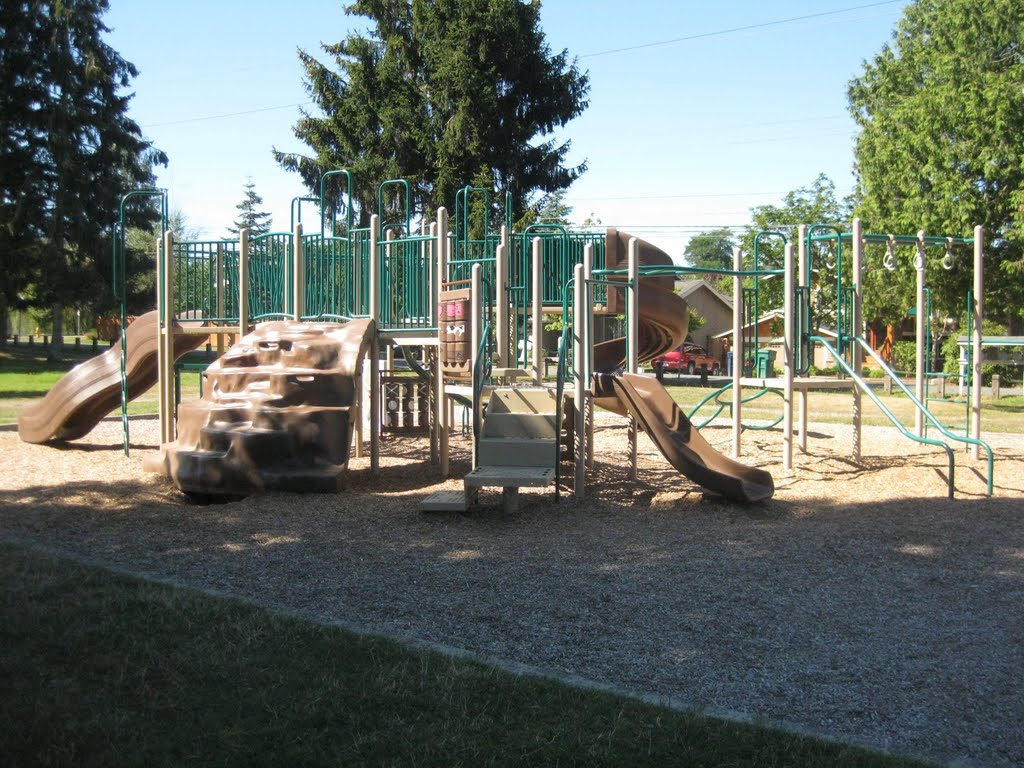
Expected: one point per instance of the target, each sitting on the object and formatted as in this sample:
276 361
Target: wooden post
737 350
803 282
501 303
579 321
374 353
588 346
855 322
298 274
921 330
787 361
441 415
538 301
475 296
220 295
165 360
243 282
977 316
632 339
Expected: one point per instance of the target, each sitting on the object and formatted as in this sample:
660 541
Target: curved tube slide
90 391
663 314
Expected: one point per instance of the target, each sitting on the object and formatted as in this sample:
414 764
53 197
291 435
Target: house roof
687 287
775 313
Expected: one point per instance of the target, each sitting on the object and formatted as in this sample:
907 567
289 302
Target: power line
571 198
748 27
226 114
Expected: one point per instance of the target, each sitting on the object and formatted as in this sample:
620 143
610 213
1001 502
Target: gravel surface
859 603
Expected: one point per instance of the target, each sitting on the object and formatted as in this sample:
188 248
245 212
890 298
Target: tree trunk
5 317
55 352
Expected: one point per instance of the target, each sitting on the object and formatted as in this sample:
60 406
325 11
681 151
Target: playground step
517 451
510 480
194 468
491 476
529 425
445 501
522 400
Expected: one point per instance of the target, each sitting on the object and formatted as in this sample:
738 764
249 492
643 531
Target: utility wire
226 114
717 33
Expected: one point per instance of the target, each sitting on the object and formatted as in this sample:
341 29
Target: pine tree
251 217
72 148
441 93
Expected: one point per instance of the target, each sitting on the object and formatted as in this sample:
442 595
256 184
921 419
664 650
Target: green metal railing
270 276
203 279
469 250
721 405
328 272
407 300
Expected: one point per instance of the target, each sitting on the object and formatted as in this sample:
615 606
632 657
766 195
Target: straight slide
90 391
679 441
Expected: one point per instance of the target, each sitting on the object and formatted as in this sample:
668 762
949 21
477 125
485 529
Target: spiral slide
663 321
90 391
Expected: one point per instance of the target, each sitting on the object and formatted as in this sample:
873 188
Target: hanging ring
825 254
947 260
889 260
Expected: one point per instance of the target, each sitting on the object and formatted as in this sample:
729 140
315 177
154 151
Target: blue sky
697 111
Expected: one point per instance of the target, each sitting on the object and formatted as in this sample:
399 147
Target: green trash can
765 363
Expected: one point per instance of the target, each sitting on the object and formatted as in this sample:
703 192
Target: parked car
687 358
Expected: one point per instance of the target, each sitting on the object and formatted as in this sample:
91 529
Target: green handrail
120 280
384 223
717 395
848 370
297 206
928 414
481 373
347 204
561 374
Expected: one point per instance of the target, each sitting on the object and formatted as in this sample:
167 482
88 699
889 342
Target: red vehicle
687 358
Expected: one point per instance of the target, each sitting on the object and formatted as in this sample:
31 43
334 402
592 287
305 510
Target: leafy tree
941 115
70 152
441 92
814 204
712 250
250 216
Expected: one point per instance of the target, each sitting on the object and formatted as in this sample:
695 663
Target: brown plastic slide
663 324
90 391
647 401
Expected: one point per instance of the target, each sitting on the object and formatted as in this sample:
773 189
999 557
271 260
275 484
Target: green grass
102 669
26 375
1003 415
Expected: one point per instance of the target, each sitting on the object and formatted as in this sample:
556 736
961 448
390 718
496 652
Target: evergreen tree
941 115
441 92
22 188
250 216
72 151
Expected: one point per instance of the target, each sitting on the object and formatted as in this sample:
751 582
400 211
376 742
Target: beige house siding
716 310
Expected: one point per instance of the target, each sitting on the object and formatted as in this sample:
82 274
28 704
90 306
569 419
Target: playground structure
468 301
